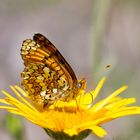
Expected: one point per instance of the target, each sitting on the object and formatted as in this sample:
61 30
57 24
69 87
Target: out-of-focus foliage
14 126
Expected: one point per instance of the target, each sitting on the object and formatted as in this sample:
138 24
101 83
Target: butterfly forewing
43 41
47 76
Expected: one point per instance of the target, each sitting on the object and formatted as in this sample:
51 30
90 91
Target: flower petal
99 131
71 131
107 100
98 88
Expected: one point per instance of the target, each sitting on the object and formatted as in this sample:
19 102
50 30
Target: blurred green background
90 34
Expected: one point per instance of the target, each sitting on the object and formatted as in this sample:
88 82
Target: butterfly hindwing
47 76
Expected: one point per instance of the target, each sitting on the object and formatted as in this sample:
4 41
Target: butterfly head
81 85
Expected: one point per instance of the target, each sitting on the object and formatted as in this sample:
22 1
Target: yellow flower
71 119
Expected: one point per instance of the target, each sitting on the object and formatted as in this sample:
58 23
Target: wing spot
43 93
55 90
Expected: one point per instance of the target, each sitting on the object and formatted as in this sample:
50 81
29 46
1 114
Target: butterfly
47 77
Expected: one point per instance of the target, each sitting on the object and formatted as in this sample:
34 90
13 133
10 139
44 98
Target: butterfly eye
79 85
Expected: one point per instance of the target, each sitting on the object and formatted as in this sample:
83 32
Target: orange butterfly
47 77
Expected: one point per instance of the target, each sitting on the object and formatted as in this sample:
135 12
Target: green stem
63 136
100 12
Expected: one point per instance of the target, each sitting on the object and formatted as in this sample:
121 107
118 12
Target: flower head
77 117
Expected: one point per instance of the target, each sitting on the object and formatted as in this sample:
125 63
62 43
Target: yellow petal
106 100
98 88
99 131
121 103
71 132
87 99
20 97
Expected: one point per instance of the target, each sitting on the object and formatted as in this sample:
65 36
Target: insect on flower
47 77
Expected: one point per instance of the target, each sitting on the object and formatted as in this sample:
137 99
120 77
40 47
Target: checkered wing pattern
47 76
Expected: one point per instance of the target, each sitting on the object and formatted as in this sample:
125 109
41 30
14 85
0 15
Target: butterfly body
47 76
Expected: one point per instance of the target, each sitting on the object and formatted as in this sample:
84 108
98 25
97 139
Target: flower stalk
63 136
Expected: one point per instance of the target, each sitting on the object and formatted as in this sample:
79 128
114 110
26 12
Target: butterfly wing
43 41
47 76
